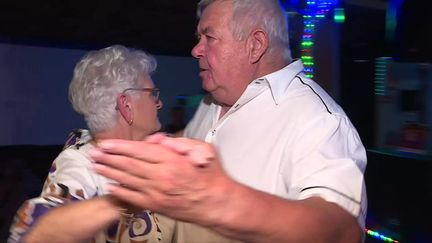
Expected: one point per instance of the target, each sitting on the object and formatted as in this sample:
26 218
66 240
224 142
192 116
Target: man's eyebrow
204 31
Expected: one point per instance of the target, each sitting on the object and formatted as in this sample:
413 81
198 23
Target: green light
194 100
339 15
307 43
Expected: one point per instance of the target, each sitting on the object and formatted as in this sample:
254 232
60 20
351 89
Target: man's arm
75 222
183 179
255 216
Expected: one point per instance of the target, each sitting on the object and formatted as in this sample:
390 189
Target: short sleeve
328 161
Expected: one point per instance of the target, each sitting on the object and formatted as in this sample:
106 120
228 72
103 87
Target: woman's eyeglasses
154 92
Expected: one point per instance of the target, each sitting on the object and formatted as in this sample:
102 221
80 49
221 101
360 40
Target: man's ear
125 108
258 43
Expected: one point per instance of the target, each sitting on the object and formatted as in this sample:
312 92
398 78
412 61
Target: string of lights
380 236
314 11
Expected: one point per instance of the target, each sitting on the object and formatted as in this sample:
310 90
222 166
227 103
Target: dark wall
363 40
22 173
413 37
400 194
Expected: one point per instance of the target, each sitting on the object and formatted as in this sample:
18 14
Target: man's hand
182 179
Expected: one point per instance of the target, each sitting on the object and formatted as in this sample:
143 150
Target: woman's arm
75 222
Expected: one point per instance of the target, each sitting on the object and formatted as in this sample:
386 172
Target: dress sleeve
70 179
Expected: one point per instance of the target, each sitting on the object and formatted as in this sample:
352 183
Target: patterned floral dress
71 178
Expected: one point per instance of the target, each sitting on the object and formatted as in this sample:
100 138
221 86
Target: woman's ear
125 108
258 43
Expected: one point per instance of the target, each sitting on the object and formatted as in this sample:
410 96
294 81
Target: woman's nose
159 104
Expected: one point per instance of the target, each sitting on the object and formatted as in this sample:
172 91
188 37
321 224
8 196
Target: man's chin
208 86
218 97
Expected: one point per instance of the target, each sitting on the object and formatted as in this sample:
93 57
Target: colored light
381 75
307 43
380 236
315 10
393 9
339 15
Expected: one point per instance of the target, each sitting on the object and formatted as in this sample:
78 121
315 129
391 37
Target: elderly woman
113 90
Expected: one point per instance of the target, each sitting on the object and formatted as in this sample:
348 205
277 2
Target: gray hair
265 14
100 76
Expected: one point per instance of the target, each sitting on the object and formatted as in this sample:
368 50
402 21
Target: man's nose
198 50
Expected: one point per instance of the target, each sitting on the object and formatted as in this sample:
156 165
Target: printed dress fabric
71 178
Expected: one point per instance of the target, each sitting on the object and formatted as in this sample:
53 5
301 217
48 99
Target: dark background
399 187
163 27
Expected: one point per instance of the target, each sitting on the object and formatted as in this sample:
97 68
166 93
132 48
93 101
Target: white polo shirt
286 136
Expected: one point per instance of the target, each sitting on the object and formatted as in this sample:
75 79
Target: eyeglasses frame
155 92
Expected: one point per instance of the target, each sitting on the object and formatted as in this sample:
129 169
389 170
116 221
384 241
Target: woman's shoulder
77 138
75 150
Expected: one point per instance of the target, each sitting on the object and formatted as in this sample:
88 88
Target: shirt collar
280 80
